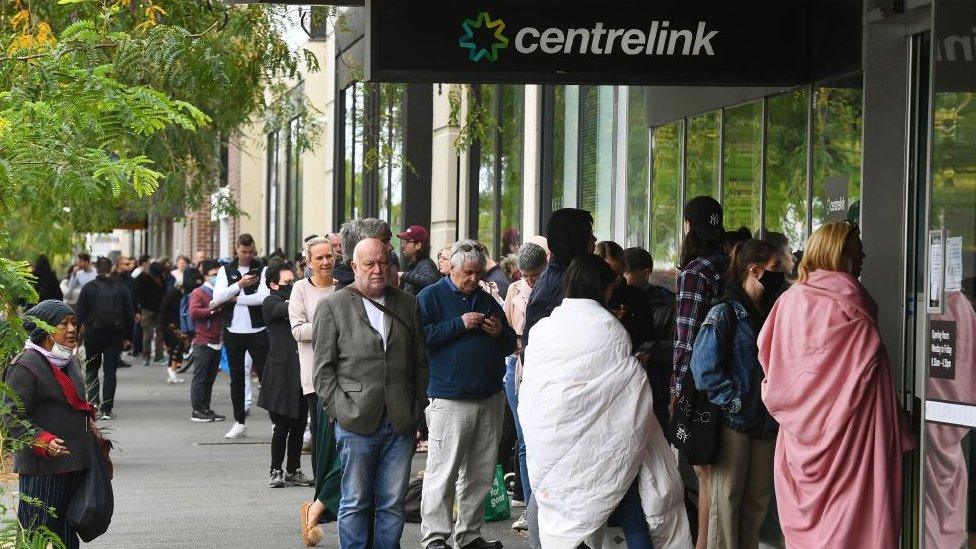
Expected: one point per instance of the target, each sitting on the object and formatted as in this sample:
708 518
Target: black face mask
773 283
284 291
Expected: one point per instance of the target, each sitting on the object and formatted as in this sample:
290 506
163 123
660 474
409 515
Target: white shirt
81 277
377 318
177 276
224 292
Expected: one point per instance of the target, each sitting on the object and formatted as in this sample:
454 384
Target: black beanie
50 311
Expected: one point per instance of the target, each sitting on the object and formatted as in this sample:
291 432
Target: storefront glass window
950 259
742 166
596 156
499 189
390 167
511 120
665 193
637 167
837 150
786 166
272 191
353 155
294 192
703 155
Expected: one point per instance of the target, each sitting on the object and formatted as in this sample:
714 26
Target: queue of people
762 373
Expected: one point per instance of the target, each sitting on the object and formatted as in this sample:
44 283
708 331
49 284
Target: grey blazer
355 378
45 408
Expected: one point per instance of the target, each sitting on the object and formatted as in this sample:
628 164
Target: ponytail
746 253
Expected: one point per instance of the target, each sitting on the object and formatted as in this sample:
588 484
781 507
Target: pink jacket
828 383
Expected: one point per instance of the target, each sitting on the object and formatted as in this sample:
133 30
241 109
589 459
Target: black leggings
288 433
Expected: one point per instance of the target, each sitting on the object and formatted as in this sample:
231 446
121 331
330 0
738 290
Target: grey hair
531 258
313 242
356 230
476 253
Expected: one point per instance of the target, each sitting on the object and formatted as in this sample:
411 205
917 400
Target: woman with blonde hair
828 383
305 297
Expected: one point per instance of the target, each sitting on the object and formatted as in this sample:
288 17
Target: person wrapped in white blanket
588 421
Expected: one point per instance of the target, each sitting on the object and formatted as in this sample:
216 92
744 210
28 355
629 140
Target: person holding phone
468 339
242 283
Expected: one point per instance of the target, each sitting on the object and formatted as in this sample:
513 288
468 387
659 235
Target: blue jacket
464 364
547 294
735 387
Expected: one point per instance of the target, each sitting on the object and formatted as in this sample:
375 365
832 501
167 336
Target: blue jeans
512 394
375 473
630 516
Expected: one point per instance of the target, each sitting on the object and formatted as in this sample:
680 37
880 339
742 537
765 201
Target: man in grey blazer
371 373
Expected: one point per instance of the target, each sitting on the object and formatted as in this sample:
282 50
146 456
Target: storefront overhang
705 43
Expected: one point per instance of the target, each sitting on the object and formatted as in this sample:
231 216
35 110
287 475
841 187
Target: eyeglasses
470 248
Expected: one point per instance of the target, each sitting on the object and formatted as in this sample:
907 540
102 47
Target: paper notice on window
936 270
953 275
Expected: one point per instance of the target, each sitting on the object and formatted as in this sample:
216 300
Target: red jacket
208 323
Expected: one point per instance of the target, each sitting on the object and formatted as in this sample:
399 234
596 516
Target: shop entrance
944 284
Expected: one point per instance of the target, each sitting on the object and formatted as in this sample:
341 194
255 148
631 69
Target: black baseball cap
704 213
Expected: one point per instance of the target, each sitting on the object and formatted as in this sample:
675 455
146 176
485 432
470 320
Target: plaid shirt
699 288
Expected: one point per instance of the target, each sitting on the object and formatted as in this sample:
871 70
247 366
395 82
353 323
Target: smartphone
255 271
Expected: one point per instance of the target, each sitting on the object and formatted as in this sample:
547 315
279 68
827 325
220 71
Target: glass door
949 344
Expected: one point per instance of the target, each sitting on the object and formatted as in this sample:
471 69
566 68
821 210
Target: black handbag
696 422
93 503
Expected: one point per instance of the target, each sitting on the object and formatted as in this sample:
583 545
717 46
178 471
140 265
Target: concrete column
317 164
444 174
531 161
883 176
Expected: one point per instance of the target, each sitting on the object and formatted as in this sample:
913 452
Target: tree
108 102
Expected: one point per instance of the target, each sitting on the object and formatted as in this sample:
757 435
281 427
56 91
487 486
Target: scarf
68 386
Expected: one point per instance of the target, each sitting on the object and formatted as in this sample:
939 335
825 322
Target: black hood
569 234
344 274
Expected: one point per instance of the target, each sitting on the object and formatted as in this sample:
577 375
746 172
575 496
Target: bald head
370 263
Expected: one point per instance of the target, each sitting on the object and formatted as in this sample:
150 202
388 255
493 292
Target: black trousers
286 439
104 351
237 345
206 364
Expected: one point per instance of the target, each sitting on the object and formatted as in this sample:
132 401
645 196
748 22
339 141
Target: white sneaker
172 377
237 431
521 523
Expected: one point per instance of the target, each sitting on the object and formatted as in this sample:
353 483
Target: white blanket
586 414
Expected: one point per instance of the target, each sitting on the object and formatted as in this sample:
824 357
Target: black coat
637 317
419 275
281 384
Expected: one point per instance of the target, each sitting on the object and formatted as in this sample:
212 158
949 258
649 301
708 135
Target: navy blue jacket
464 364
547 294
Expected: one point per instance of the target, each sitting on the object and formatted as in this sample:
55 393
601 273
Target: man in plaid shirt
700 282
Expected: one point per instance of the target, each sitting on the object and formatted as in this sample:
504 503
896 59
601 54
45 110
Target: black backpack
109 302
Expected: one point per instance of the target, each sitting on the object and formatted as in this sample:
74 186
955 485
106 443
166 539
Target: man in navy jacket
468 339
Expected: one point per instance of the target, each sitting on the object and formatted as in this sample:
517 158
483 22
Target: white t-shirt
241 323
377 318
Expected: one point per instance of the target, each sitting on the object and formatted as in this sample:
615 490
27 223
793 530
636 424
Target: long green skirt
328 470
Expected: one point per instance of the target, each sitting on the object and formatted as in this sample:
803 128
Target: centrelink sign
716 42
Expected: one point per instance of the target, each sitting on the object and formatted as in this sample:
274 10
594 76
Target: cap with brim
704 214
415 233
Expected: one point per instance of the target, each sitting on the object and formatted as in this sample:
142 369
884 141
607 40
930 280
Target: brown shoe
310 536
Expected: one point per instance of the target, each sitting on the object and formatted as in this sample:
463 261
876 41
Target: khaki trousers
741 486
461 455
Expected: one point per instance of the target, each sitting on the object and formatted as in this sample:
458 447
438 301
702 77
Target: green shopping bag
497 505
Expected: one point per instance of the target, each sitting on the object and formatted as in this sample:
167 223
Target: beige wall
444 172
317 164
253 166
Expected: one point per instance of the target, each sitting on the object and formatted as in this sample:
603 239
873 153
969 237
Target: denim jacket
734 388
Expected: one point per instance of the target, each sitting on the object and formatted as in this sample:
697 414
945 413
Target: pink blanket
828 383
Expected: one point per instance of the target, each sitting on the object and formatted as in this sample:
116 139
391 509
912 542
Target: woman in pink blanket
828 383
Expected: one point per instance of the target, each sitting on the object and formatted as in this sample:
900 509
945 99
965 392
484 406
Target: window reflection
499 186
665 192
596 161
702 157
637 167
742 166
837 146
786 166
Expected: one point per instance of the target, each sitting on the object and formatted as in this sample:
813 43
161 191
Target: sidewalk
181 485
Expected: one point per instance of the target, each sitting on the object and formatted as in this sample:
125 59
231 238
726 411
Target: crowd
676 409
